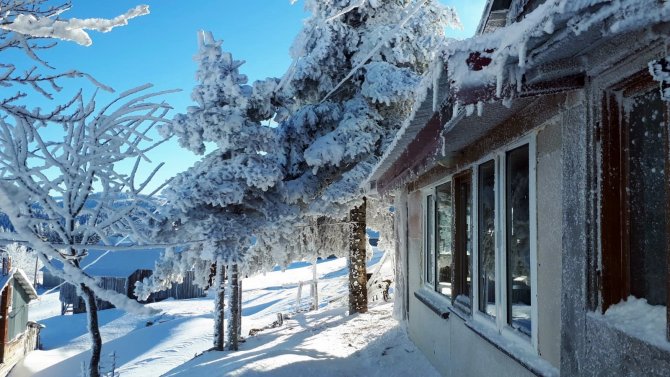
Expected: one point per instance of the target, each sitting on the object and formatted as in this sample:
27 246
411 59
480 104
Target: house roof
549 51
117 263
21 278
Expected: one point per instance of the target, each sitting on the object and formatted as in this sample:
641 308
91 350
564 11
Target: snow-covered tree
74 179
359 69
228 195
60 184
23 258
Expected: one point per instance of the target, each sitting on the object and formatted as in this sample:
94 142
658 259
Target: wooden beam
487 93
4 321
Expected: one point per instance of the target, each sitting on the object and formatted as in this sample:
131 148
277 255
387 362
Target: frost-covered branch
73 29
65 193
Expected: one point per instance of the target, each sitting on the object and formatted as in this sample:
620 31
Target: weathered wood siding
16 349
126 286
49 280
18 316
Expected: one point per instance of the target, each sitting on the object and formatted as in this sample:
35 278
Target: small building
18 335
119 271
532 195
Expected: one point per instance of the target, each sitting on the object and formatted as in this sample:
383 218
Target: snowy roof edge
534 25
20 276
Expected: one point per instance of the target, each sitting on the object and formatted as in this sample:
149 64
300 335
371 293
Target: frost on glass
445 254
486 238
647 190
517 234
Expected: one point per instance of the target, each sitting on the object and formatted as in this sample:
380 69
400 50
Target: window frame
428 192
614 283
460 242
500 322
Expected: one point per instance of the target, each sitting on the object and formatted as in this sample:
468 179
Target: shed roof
21 278
117 263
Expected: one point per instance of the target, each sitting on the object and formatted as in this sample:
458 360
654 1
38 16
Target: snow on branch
66 193
385 40
72 29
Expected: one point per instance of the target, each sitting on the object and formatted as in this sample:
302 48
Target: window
444 236
446 269
480 239
486 238
518 239
635 194
463 238
505 240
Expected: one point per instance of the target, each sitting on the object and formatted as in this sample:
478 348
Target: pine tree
228 195
359 68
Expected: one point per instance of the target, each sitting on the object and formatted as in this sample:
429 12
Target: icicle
523 50
507 102
500 77
469 109
480 108
444 145
437 72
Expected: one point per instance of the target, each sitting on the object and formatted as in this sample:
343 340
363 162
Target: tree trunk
234 321
94 330
219 306
239 311
358 279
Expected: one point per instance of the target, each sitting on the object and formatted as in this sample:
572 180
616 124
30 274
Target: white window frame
425 193
500 324
501 321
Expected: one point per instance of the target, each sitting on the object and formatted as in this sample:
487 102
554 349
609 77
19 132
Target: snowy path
324 343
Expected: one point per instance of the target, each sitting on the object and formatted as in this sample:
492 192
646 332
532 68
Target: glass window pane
647 190
518 239
486 238
463 244
444 239
430 240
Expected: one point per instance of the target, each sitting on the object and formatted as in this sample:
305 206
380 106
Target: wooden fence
126 286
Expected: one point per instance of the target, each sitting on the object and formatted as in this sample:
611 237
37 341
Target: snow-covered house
119 271
532 195
18 336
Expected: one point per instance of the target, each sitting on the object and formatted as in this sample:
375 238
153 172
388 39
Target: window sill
435 302
648 325
516 349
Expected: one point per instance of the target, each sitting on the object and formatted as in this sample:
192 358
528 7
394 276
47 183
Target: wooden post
358 279
35 277
4 323
298 297
315 288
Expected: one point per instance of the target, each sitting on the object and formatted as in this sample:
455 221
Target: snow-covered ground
326 342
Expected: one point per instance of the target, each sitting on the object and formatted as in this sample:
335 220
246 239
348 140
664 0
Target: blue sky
158 48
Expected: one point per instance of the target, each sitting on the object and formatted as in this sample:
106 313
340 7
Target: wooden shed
119 271
18 335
